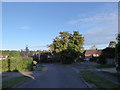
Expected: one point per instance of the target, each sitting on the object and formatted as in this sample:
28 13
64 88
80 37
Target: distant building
92 53
25 54
3 57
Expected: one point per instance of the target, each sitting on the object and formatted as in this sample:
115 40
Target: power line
39 46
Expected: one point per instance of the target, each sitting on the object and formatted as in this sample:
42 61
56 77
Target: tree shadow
9 64
11 77
11 73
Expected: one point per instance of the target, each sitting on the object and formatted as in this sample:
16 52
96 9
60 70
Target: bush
102 60
26 65
43 58
69 56
36 58
16 63
94 59
106 53
118 54
56 57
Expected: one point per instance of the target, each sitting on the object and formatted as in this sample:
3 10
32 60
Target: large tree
67 40
76 41
112 44
118 53
68 46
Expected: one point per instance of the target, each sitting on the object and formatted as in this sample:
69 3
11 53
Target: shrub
94 59
102 60
43 58
16 63
69 56
106 53
117 52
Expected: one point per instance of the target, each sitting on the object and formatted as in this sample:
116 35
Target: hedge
16 64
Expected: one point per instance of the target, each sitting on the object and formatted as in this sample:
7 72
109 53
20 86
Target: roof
3 56
91 52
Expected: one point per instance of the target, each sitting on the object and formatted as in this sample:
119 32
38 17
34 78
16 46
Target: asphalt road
57 76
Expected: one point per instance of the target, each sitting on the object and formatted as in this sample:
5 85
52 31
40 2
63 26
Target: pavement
108 77
33 74
111 70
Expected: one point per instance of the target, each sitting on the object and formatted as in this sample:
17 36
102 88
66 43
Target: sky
36 24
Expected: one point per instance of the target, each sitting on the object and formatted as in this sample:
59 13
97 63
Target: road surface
57 76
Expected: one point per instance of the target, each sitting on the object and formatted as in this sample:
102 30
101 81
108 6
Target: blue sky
36 24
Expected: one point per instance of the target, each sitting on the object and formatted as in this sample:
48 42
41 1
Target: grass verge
100 66
113 74
98 81
105 66
15 81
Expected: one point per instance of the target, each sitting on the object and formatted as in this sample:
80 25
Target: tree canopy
67 40
118 50
68 47
112 44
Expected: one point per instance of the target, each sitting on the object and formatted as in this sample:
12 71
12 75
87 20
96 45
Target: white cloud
99 46
100 36
24 27
103 28
106 32
98 18
39 47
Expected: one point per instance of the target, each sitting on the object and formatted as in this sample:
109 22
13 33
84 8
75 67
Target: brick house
92 53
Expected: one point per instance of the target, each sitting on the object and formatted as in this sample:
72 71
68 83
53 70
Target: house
92 53
2 57
46 57
25 54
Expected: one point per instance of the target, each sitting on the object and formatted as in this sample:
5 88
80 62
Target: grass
113 74
88 67
15 82
100 66
98 81
105 66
